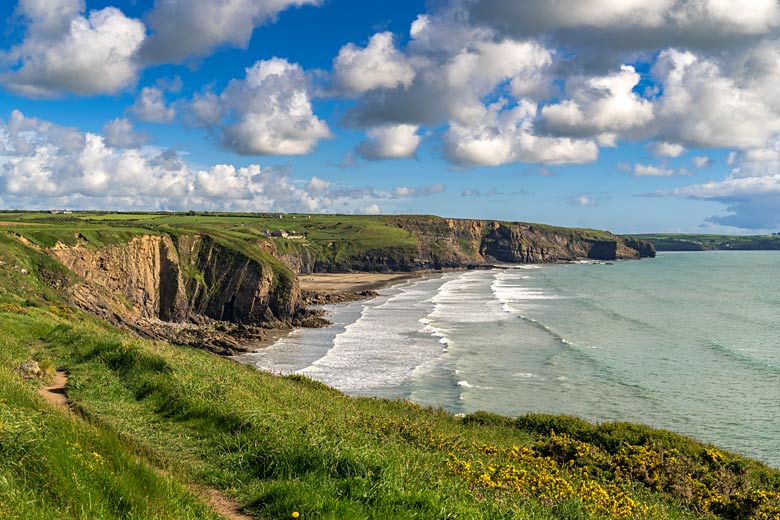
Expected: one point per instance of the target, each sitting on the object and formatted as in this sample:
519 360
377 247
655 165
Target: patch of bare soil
54 393
221 504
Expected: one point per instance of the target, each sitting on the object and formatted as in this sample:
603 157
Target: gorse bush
703 478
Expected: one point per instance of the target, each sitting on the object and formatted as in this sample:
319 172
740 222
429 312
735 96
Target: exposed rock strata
326 298
458 243
194 289
187 289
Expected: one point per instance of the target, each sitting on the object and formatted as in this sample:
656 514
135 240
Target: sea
688 342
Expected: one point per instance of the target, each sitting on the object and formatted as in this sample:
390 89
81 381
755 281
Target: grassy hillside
52 464
154 418
330 238
333 242
319 229
692 242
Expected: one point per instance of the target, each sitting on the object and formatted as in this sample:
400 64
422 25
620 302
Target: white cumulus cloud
648 170
585 201
631 24
719 103
506 136
600 105
419 191
66 51
150 106
390 142
379 65
371 209
701 161
46 165
267 113
664 149
456 68
478 68
120 134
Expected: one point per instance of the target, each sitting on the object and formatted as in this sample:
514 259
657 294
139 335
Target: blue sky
659 115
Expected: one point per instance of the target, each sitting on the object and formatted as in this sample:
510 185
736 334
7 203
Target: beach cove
659 342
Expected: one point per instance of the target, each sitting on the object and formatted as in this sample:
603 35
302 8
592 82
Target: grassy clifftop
694 242
147 277
152 419
318 243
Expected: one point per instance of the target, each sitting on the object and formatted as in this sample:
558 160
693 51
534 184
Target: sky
628 115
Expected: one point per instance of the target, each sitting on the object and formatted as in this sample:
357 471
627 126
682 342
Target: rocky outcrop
453 243
131 272
156 281
209 290
229 286
535 243
329 298
644 248
301 261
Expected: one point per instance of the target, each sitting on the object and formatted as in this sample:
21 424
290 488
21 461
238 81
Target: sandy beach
351 282
336 283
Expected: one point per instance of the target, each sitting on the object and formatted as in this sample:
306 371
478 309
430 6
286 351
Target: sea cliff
153 281
216 281
146 429
429 242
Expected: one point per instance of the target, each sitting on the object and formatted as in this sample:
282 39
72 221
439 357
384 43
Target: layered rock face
234 287
531 243
207 291
644 248
179 279
452 243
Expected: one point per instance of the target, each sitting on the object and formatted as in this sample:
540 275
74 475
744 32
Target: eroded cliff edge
222 283
430 242
188 289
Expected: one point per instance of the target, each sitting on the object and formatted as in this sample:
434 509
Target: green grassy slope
321 242
54 465
284 444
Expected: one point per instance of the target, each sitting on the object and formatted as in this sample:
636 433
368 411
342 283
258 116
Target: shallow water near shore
686 341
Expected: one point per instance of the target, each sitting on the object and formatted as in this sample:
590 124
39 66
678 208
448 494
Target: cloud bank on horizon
476 85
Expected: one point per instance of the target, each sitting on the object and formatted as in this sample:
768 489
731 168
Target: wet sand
352 282
337 283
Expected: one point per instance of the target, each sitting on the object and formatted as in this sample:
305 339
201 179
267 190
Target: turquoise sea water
686 341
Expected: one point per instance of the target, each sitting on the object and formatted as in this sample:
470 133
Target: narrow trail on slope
55 392
56 395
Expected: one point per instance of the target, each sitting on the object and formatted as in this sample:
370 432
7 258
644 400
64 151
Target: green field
693 242
339 242
331 237
320 229
153 421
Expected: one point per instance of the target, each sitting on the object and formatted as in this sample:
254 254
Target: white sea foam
465 300
644 349
383 347
515 295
